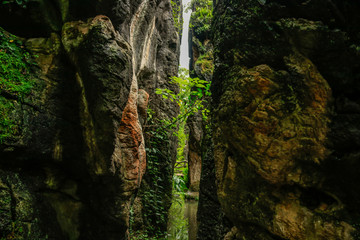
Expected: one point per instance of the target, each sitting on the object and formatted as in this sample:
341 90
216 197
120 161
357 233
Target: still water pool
182 219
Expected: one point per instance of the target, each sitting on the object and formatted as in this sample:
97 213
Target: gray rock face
79 157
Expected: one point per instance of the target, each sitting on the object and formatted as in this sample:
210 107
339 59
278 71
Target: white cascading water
184 47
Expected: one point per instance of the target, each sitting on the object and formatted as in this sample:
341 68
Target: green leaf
200 85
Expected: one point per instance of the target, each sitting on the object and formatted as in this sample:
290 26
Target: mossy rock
16 82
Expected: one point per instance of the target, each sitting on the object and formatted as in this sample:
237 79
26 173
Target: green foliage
201 17
182 138
139 235
16 80
181 165
154 191
179 183
21 3
176 11
190 98
178 224
185 173
15 231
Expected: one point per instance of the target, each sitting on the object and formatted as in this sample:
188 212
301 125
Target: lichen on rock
81 150
275 92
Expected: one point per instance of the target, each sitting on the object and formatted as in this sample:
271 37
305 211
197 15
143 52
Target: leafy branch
201 17
191 97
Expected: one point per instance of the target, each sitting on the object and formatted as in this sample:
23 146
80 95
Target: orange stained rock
131 142
296 222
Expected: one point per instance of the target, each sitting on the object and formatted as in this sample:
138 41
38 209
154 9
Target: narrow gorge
179 119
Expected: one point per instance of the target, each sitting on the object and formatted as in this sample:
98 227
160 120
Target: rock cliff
201 66
72 167
286 118
212 223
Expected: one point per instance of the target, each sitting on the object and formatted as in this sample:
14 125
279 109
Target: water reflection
182 219
190 214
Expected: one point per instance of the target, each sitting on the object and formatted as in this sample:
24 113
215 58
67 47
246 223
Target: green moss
7 126
15 80
176 11
206 63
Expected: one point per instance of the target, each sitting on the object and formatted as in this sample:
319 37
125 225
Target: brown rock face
284 81
278 136
194 153
73 168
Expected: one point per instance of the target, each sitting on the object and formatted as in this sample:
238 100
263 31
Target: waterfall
184 47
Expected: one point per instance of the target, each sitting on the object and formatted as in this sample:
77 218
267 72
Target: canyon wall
212 223
201 66
286 118
72 167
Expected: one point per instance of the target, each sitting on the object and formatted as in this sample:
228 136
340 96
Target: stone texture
18 201
157 60
286 72
212 222
194 151
82 127
201 66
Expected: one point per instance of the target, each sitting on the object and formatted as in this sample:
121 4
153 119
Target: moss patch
16 80
176 12
206 63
